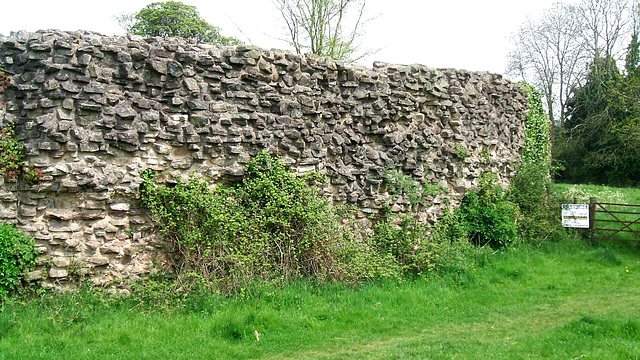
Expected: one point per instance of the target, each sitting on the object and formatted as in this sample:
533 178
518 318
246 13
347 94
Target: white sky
465 34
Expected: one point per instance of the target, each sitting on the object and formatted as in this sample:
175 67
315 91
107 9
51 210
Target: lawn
566 300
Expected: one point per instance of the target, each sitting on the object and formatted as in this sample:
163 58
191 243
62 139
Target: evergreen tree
600 140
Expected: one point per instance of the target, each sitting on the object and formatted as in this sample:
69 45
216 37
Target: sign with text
575 216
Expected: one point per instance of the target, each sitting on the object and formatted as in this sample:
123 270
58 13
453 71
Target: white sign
575 216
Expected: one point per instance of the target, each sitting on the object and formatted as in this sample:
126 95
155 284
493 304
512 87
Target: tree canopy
552 51
600 140
321 27
173 18
573 54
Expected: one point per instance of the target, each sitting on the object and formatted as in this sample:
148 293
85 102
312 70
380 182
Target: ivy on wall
536 131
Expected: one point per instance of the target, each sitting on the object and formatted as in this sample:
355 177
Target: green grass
582 193
567 300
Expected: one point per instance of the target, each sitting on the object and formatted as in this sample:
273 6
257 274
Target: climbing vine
536 147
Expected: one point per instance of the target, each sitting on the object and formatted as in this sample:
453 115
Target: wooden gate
619 222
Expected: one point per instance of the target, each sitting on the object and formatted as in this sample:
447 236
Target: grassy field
566 300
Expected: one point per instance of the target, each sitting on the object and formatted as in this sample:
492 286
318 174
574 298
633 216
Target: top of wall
173 104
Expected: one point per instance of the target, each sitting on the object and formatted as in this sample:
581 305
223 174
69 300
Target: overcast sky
465 34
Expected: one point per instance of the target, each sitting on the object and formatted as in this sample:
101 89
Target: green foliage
17 256
11 150
400 244
12 163
173 18
486 155
33 175
271 226
4 82
461 152
416 193
487 215
633 57
530 189
536 131
11 153
600 141
414 248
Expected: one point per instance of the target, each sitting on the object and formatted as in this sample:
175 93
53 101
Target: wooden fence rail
603 218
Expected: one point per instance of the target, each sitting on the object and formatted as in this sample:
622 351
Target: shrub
17 256
415 192
487 215
531 190
269 226
455 254
418 249
272 226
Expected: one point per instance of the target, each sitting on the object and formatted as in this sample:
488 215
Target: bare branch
320 26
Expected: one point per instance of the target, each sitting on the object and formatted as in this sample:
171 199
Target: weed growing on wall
416 193
11 153
461 151
17 256
12 163
4 82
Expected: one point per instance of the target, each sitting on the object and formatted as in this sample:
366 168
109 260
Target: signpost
575 216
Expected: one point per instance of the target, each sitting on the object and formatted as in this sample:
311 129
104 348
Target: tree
605 24
549 56
633 57
600 140
173 18
320 26
552 51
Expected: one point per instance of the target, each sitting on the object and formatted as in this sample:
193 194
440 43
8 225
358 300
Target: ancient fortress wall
95 111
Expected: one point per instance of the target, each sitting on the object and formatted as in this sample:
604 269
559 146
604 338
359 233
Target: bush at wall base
17 256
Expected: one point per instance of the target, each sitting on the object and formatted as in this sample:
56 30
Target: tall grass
562 300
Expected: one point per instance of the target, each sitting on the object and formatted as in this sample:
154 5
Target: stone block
58 273
98 260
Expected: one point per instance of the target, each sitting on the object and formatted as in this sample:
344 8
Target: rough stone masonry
95 111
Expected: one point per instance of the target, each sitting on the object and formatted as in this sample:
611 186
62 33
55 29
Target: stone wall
95 111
